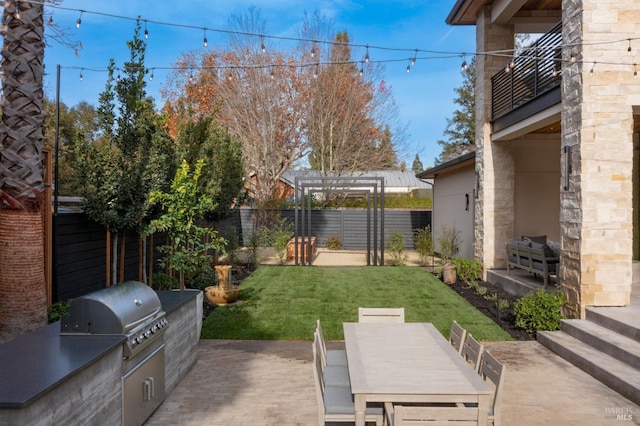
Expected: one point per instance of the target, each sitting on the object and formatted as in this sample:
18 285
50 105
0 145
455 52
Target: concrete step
604 339
616 374
624 320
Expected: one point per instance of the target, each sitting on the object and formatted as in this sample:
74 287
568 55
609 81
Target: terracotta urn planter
449 273
223 293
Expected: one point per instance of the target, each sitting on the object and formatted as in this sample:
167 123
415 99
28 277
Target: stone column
597 126
494 209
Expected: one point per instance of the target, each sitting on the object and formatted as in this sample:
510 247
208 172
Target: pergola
373 190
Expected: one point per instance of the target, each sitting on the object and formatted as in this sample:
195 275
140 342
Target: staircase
606 345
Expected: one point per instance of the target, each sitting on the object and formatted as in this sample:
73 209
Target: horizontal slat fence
80 258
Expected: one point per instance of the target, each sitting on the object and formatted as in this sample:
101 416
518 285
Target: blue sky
424 96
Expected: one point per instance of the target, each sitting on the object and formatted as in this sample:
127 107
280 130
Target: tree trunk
23 299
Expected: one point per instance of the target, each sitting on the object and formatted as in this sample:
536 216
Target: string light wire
507 53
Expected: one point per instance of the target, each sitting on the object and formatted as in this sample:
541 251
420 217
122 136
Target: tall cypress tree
461 128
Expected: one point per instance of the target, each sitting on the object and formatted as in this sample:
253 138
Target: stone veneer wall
597 124
494 207
181 341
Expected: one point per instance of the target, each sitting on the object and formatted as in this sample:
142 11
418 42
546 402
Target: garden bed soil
504 318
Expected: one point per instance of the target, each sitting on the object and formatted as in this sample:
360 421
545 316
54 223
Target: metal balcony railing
530 74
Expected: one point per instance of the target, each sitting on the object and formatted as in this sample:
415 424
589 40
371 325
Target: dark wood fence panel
79 254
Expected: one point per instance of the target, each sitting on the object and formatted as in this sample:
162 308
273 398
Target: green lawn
283 303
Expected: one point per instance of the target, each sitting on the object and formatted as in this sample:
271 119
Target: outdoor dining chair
335 403
405 415
333 375
472 351
492 371
456 336
330 357
395 315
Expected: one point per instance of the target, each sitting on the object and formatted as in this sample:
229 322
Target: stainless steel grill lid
113 310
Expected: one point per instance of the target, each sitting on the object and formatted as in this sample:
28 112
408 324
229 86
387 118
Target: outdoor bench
533 257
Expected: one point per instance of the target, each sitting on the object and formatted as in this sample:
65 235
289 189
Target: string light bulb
313 49
635 71
17 14
315 71
464 66
151 75
273 75
408 68
79 21
366 56
361 69
81 77
146 32
592 69
205 42
629 48
262 46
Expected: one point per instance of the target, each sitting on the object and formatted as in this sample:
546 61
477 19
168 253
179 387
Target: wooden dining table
409 363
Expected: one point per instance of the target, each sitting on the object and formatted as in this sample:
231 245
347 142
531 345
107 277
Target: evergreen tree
417 166
134 155
222 178
461 128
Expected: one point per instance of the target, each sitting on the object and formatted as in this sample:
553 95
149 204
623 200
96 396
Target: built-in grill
131 309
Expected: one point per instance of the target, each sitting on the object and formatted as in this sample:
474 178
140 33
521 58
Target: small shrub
480 290
449 242
468 270
423 243
539 311
334 242
58 309
503 304
396 250
280 237
233 243
255 240
162 281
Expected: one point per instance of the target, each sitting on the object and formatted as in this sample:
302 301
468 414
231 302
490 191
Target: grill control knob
139 339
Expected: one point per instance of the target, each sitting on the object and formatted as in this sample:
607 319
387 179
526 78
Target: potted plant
449 241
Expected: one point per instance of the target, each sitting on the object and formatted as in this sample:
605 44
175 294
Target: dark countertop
34 363
171 300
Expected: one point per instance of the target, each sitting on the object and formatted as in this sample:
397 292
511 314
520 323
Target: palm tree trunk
23 300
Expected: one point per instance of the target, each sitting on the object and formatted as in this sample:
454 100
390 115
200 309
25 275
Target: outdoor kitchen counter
172 300
34 363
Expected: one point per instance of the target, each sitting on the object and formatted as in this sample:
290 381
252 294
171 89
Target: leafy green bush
539 311
423 243
58 309
230 235
280 237
396 250
468 270
334 242
162 281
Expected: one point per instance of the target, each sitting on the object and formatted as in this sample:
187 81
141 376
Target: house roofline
449 166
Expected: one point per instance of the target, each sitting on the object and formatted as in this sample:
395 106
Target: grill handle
149 389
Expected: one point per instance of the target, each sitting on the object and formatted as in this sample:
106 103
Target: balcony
530 83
